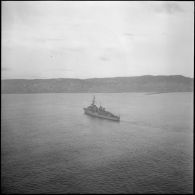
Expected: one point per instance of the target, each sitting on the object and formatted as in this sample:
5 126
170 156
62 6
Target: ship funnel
93 102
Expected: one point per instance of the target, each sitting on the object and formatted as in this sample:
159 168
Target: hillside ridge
145 83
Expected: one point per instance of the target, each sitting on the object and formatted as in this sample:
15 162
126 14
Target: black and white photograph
97 97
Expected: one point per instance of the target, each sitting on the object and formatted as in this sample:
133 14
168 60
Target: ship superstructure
100 112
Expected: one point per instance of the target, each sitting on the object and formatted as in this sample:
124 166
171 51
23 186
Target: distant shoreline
73 78
144 93
169 92
138 84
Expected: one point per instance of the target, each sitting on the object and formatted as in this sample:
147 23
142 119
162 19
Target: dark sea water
50 146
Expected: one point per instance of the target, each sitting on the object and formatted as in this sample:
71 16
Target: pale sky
48 39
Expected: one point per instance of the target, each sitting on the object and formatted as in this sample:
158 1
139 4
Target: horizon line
95 77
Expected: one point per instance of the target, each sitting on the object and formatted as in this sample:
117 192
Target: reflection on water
50 146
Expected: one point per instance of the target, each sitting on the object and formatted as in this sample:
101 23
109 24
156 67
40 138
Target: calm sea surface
50 146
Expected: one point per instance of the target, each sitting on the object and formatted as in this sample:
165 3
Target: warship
100 112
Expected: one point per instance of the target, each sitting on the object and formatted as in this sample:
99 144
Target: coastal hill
147 83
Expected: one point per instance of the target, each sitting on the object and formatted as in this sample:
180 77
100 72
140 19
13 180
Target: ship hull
93 114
